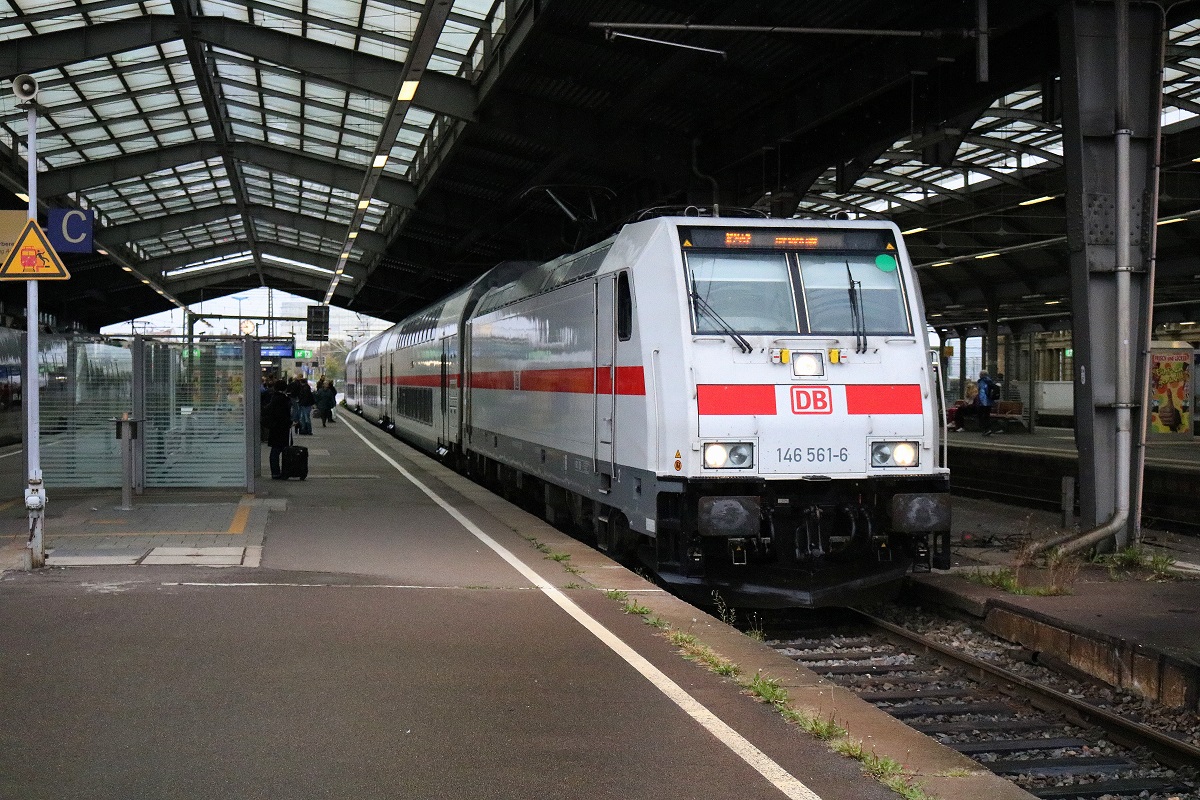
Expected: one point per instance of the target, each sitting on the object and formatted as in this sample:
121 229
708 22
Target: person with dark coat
302 405
277 418
326 399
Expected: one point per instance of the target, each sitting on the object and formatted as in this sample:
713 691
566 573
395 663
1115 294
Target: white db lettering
812 400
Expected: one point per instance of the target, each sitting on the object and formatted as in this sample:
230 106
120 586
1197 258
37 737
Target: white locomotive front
748 404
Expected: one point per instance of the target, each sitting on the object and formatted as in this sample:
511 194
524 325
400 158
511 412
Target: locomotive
747 405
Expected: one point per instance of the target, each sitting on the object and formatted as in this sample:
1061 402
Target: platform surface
354 635
348 636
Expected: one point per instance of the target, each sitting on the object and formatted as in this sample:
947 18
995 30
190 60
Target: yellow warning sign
32 258
890 246
677 455
687 243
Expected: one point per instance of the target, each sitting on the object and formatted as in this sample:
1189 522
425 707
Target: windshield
817 280
748 292
826 277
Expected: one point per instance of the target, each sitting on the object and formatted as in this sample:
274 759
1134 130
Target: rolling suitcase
294 463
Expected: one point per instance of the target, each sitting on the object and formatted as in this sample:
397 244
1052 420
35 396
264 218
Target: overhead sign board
70 229
277 349
32 258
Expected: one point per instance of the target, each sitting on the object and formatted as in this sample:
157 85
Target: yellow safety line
100 534
240 517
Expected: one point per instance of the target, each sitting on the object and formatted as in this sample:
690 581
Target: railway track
1052 744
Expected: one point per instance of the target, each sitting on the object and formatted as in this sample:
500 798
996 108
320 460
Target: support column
1031 407
962 366
991 342
1100 120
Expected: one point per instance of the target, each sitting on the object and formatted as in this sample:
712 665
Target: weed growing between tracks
768 690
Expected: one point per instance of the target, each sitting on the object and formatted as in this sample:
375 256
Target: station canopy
376 154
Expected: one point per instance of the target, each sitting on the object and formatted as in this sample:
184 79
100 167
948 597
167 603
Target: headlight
728 455
807 365
894 454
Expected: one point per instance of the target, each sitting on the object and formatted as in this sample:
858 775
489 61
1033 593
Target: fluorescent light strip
1037 200
911 231
408 90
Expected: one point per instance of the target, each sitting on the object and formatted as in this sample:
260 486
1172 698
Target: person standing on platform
277 419
989 393
302 395
326 399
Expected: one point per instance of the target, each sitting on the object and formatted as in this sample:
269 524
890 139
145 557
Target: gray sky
342 324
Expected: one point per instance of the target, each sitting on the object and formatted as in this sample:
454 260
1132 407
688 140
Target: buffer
32 258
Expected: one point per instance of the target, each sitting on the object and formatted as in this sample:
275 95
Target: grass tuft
634 607
767 689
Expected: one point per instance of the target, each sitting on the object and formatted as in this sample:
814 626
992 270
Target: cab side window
624 308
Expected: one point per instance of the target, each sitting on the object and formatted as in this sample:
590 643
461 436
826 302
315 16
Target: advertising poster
1171 391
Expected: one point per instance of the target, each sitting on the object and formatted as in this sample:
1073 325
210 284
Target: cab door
605 374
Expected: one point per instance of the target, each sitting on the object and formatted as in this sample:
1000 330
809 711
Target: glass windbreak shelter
195 426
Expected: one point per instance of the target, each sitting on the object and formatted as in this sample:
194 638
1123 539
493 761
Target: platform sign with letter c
70 229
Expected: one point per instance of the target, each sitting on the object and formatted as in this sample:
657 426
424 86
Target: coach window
624 308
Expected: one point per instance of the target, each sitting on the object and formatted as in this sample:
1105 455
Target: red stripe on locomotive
722 399
884 399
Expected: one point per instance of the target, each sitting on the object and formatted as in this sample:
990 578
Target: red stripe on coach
433 381
492 380
574 381
886 398
580 380
736 399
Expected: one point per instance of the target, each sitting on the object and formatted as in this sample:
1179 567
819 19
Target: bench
1006 416
1008 413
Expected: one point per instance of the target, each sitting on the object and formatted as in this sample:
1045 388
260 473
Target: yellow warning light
835 356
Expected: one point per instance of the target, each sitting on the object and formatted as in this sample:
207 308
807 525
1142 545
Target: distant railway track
1031 477
1052 744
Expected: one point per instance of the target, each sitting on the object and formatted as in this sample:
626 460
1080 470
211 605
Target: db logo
812 400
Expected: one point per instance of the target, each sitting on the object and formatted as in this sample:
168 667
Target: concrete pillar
1088 35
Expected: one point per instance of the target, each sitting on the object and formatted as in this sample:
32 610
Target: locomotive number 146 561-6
811 455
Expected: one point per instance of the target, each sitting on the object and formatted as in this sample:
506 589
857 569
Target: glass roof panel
456 39
336 10
224 8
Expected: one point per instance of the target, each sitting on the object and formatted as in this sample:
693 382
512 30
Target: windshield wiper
738 339
857 316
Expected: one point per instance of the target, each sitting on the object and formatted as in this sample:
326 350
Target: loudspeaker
25 87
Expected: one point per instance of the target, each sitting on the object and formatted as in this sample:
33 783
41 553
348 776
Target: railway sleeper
1015 745
1128 787
1061 767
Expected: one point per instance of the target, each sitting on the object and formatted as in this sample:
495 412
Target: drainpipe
1124 402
